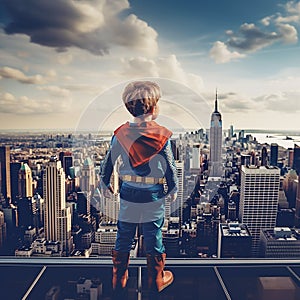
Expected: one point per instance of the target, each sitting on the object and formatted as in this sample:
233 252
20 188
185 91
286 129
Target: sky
64 64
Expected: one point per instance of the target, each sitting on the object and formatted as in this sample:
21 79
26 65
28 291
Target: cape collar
142 141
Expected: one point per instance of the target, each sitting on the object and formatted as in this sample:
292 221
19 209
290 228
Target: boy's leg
120 255
125 236
158 279
153 236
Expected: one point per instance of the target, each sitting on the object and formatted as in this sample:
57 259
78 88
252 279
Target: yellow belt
142 179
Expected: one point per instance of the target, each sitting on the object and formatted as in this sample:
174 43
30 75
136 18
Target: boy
147 163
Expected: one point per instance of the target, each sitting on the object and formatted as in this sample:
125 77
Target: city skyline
53 68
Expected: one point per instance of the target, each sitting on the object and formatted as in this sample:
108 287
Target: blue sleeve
171 171
108 163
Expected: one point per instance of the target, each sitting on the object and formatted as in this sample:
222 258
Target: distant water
284 139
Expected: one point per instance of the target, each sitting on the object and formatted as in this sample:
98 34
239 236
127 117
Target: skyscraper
177 205
57 215
14 180
5 187
297 212
296 160
87 180
215 141
264 156
111 202
66 159
259 200
274 154
25 181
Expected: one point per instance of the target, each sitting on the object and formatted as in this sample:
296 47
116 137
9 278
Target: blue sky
65 62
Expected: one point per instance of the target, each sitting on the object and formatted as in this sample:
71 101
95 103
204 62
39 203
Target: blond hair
140 97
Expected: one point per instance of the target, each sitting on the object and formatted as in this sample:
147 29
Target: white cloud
165 67
24 105
251 38
55 91
12 73
64 58
220 53
289 33
292 9
285 102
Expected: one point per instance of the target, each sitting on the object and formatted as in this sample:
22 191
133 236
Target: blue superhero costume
147 158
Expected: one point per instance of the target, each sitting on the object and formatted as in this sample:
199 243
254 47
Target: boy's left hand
107 191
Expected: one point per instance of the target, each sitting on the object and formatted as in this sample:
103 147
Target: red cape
142 141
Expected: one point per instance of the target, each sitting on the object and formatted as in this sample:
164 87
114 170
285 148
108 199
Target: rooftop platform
213 279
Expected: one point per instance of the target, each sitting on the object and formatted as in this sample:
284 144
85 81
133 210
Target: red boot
120 269
158 279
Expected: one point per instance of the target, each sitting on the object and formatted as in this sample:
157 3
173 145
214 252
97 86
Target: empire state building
215 141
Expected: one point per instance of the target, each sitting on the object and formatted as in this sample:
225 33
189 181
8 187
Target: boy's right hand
107 191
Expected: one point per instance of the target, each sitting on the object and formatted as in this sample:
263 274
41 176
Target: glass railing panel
190 283
248 282
16 280
66 278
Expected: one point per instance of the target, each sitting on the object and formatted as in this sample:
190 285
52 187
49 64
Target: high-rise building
195 164
14 180
290 183
245 159
280 242
88 178
177 205
259 200
2 229
297 212
66 159
274 154
231 131
111 208
234 241
57 215
83 203
290 157
215 142
27 212
264 156
296 159
5 187
25 181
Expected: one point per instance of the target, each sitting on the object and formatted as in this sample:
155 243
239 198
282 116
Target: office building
297 211
215 142
290 184
83 203
264 156
25 181
296 159
57 215
195 160
105 238
14 180
2 229
280 242
66 159
274 154
5 187
259 200
88 178
290 157
234 241
177 205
